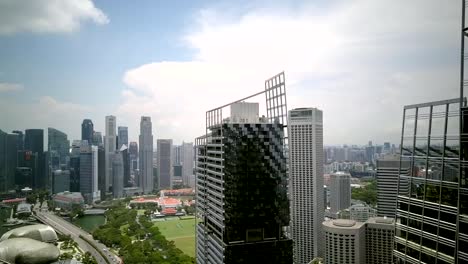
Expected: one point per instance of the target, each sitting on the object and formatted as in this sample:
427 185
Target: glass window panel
429 228
409 122
422 126
420 148
449 234
417 190
464 179
447 217
412 253
403 206
453 121
452 148
449 196
427 258
432 193
430 243
463 246
432 214
414 238
407 148
436 147
403 188
434 171
416 209
438 120
464 204
414 224
419 167
451 171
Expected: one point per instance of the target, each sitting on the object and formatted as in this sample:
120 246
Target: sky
359 61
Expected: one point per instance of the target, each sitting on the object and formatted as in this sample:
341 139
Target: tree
88 259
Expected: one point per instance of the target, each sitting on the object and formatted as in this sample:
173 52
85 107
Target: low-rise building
66 200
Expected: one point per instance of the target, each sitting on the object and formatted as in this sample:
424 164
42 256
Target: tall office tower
109 146
145 176
306 179
242 190
8 160
97 139
379 240
122 136
20 142
89 174
133 153
165 169
60 181
126 165
432 214
117 174
344 242
87 130
177 155
26 159
102 172
340 191
34 141
387 182
187 163
58 147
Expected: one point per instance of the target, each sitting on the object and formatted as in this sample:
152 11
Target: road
64 227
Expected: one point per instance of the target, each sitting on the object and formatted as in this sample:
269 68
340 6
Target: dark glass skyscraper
20 139
8 161
87 130
59 147
34 142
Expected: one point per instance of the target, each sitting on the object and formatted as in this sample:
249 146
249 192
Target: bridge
94 211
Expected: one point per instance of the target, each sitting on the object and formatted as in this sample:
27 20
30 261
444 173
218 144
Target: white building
340 191
145 180
379 240
306 180
344 242
109 147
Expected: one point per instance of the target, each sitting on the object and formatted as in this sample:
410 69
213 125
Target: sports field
182 232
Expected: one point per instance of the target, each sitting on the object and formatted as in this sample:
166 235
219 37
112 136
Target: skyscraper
146 155
87 130
34 141
387 182
379 240
306 178
340 191
89 174
102 172
133 152
122 136
58 147
345 242
20 142
60 181
432 214
242 190
109 146
117 174
165 169
126 165
97 139
8 160
187 163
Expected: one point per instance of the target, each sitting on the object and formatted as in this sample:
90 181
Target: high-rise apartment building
117 174
388 170
187 163
34 142
122 136
432 214
145 176
164 165
89 174
242 191
58 147
306 178
340 191
344 242
379 240
87 130
110 147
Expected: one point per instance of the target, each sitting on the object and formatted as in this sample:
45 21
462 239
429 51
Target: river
90 222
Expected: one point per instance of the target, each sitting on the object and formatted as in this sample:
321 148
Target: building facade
58 147
242 193
89 174
344 242
8 160
379 240
187 163
306 179
110 147
164 163
34 142
122 136
145 176
60 181
87 130
117 174
340 191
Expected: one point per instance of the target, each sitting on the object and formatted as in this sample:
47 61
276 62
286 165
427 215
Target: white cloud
10 87
359 61
47 15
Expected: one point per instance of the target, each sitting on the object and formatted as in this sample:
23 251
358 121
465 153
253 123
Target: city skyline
348 67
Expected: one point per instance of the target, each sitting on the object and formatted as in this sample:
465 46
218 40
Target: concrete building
306 179
110 147
60 181
387 182
379 240
165 168
340 191
344 242
145 176
117 174
89 174
66 200
187 163
122 136
242 193
87 130
358 212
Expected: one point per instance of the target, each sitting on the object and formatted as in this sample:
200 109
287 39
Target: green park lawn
182 232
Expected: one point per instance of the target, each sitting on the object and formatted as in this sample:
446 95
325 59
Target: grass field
182 232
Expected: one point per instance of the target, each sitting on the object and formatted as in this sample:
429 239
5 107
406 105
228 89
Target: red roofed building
169 211
167 202
15 200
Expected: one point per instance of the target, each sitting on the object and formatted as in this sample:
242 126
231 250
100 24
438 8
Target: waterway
90 222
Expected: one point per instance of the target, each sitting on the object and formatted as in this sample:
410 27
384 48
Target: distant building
102 172
117 174
340 191
89 174
19 139
87 130
306 178
344 242
187 163
122 136
60 181
358 212
34 141
165 169
110 146
74 174
66 200
23 177
133 152
145 176
97 139
58 147
8 160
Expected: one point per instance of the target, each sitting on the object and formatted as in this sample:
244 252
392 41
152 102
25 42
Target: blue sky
359 61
